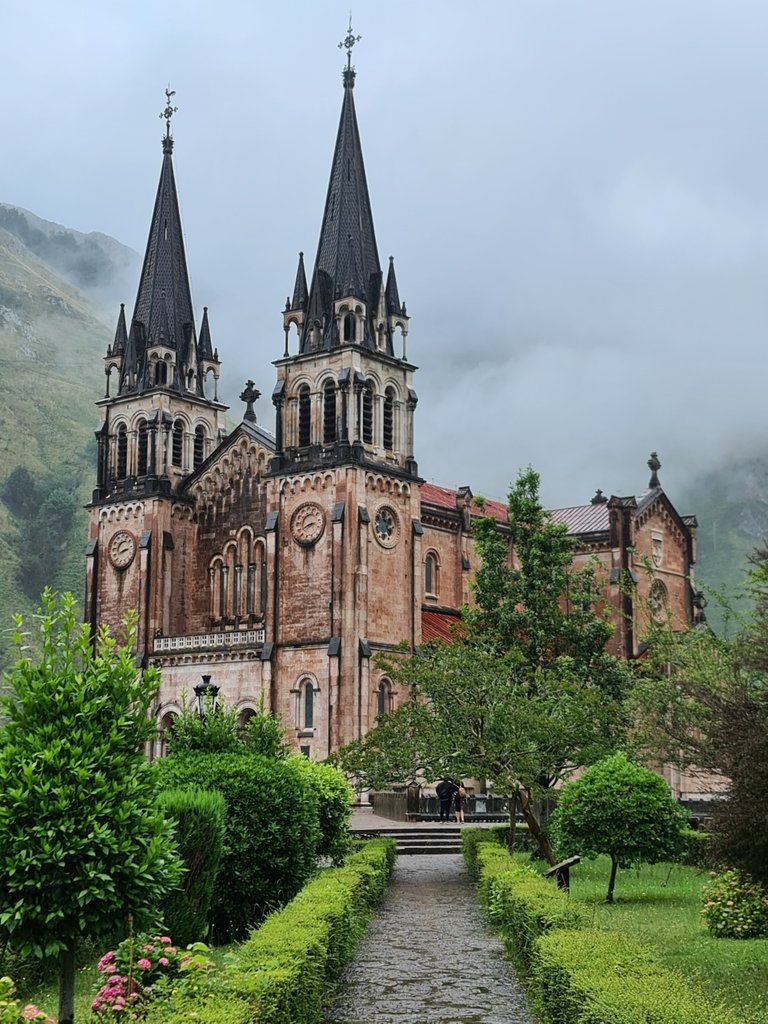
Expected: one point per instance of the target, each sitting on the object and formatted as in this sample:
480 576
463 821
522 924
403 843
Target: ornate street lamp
204 691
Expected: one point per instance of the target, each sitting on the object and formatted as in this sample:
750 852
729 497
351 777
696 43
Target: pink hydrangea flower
144 964
163 961
149 948
165 939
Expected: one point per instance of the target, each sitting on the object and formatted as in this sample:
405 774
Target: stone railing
208 641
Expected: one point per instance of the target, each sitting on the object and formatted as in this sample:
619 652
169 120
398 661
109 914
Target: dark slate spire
300 293
163 312
347 261
392 295
121 334
204 346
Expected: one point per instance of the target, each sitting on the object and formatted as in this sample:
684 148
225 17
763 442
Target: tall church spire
347 264
162 348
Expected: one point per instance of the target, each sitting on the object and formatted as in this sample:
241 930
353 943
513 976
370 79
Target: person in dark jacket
445 790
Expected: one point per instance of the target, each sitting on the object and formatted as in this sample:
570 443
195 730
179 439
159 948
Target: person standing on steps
459 798
445 790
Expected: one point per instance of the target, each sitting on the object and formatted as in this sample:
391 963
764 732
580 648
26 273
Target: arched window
161 372
122 452
658 600
199 454
165 729
368 413
243 719
177 453
143 452
308 700
349 327
431 574
329 412
382 698
305 414
389 419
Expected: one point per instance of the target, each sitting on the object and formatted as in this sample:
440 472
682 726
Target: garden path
428 956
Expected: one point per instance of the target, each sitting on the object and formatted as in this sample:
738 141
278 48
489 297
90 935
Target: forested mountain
54 288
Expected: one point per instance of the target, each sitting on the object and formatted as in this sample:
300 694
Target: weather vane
349 41
169 111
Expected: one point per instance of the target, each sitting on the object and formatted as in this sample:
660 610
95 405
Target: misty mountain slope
731 506
52 338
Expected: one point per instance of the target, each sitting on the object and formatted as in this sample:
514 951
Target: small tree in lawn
82 841
620 809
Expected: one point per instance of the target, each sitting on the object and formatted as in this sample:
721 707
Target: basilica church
277 566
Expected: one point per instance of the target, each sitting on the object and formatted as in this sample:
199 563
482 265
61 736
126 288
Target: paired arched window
305 416
329 412
431 568
122 452
389 419
368 413
143 449
161 372
177 444
199 452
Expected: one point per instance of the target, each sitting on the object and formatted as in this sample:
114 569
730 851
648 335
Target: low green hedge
285 972
697 850
575 975
519 902
594 977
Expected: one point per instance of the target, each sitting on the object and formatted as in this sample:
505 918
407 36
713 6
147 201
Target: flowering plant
735 906
145 967
12 1013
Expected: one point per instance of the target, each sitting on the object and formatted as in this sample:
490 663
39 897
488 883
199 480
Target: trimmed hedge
272 831
199 816
595 977
334 806
697 849
519 902
575 975
286 972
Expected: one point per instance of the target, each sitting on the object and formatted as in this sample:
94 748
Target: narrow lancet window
304 417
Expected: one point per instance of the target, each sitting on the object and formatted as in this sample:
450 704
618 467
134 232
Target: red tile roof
438 626
444 497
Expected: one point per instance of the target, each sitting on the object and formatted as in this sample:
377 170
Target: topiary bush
200 819
735 906
271 833
334 806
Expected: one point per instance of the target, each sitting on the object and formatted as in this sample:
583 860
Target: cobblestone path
428 956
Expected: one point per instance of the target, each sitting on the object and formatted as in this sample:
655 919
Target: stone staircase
442 839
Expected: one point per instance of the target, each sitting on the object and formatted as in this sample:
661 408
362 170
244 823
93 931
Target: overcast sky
575 193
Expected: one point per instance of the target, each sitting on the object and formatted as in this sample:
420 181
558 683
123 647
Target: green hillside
52 338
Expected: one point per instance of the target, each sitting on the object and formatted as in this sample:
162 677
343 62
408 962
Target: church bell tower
346 395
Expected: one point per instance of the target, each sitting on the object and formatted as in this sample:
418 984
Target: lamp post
203 691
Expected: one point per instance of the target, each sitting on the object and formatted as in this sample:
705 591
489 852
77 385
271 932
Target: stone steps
414 841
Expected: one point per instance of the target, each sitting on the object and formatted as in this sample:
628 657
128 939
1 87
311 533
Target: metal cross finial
349 41
169 111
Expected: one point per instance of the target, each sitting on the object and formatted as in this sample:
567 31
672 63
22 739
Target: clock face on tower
308 523
122 548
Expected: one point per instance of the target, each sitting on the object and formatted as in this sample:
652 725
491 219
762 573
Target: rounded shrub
735 906
271 831
200 817
334 806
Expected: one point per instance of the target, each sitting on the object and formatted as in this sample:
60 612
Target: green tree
82 841
620 809
701 703
525 692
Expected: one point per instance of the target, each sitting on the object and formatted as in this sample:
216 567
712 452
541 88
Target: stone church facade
279 565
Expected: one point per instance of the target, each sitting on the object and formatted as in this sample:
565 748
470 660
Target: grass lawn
661 904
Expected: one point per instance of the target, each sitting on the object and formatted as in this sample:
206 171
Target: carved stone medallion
386 526
308 523
122 549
